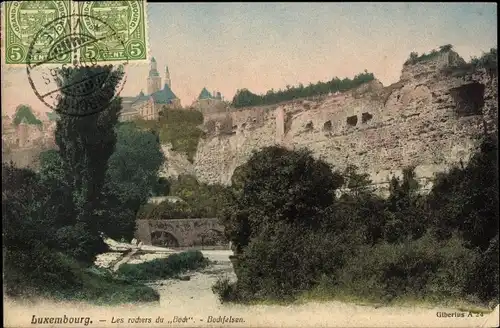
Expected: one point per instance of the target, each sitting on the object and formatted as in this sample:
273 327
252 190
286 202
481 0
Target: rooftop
204 94
164 96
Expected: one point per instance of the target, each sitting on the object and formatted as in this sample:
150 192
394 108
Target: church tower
167 78
154 79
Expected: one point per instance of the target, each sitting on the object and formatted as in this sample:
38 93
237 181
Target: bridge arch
164 238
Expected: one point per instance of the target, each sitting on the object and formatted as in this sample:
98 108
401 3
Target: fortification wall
23 144
430 119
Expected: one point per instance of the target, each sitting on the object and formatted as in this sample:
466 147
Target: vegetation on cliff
245 98
200 200
178 127
293 238
24 112
53 219
488 60
416 58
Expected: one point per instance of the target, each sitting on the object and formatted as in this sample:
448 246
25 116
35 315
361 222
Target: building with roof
147 106
209 102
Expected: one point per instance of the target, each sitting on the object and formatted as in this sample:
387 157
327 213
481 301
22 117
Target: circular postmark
66 69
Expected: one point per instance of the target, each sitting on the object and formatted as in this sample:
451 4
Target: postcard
249 164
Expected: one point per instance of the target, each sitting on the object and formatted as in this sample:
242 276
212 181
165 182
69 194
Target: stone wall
181 232
23 144
430 119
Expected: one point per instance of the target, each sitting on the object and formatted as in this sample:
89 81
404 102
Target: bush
163 268
279 185
40 269
286 260
178 127
423 268
226 290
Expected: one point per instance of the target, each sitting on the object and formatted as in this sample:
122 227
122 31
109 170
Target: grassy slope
94 285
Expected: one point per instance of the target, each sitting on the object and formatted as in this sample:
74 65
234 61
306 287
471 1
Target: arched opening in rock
327 126
365 117
469 99
163 239
309 126
352 120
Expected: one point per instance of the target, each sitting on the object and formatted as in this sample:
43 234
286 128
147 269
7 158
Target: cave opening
309 126
469 99
365 117
352 120
327 126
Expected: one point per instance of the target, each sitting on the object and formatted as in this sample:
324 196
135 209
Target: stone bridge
204 232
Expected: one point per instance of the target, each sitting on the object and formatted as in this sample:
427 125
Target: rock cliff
430 119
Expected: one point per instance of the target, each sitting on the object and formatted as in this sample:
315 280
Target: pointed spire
153 60
166 68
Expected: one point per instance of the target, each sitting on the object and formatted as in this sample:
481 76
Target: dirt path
192 304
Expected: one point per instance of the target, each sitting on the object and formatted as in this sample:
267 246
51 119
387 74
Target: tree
355 182
404 208
86 141
280 185
24 112
445 48
131 178
466 200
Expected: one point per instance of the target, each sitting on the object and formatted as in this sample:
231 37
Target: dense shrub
286 259
423 268
439 246
52 219
178 127
199 200
279 186
163 268
225 289
415 57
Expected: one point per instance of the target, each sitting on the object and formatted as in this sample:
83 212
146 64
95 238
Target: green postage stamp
95 31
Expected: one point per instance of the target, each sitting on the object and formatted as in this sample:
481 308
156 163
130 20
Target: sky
262 46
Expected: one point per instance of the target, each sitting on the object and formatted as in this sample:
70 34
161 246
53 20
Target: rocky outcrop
430 119
175 163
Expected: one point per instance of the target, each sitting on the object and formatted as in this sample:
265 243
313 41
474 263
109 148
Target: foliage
178 127
86 142
226 290
33 217
245 98
443 245
52 218
25 112
131 178
488 61
415 58
414 269
163 268
280 185
60 277
28 232
199 200
466 200
205 200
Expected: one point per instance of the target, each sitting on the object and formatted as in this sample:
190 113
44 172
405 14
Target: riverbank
193 302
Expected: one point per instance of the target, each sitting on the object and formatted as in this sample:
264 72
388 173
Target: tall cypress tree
86 139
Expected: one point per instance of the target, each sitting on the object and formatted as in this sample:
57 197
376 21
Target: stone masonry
181 232
430 119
